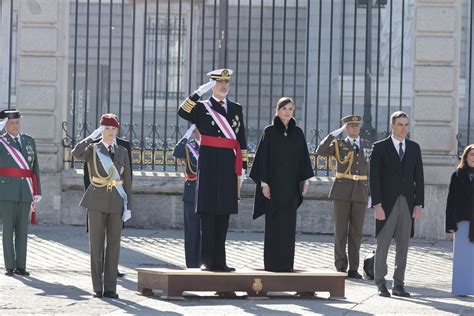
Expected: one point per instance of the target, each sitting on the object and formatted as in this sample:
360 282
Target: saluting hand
266 191
379 212
339 131
3 123
96 134
205 87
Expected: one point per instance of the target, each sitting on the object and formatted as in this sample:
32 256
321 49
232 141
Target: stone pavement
60 282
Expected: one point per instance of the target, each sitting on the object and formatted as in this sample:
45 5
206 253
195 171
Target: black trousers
213 236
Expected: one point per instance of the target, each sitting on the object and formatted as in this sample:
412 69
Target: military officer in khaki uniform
349 191
107 200
19 188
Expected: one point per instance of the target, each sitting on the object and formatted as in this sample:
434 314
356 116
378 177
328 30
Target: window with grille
164 61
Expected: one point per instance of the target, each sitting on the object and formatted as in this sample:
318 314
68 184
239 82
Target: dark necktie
111 153
16 143
400 151
222 104
356 148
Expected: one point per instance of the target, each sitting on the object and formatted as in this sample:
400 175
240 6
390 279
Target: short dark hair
284 101
396 115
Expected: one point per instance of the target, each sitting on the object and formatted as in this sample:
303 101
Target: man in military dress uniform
349 191
107 200
187 149
222 157
19 189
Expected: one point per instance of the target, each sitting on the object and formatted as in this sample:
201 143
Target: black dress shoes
21 272
98 294
383 290
9 272
224 269
120 275
110 294
400 291
353 274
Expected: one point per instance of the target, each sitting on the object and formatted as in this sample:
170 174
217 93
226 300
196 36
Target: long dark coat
217 182
283 163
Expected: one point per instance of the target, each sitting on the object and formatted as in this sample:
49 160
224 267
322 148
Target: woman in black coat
460 222
281 170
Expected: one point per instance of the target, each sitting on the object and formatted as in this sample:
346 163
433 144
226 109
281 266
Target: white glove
127 214
339 131
97 133
205 87
190 131
3 123
37 198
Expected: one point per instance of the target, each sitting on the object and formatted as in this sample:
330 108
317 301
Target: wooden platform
256 283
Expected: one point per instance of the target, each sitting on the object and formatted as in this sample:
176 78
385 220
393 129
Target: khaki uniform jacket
98 198
12 188
347 189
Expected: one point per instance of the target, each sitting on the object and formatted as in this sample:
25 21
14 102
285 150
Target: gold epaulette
245 155
188 105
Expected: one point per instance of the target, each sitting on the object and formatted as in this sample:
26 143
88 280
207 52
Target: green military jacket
346 189
13 188
100 198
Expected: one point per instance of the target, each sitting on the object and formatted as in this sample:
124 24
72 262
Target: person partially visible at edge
20 190
460 223
187 149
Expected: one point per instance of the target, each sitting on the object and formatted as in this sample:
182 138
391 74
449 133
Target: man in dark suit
120 142
397 190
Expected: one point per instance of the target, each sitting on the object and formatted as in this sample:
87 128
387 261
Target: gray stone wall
157 204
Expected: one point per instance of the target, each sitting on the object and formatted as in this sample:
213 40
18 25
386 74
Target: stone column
43 27
437 40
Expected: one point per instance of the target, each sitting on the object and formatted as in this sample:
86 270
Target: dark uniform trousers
192 235
349 198
192 226
348 225
213 236
15 222
104 258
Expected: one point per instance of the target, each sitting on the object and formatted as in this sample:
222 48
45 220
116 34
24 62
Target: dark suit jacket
121 142
390 177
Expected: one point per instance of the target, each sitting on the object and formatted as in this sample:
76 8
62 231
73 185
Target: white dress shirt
354 141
